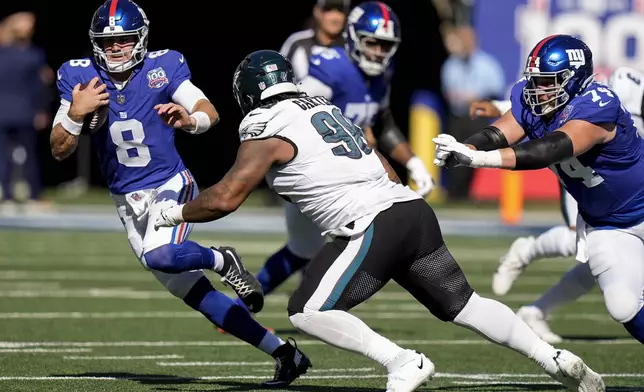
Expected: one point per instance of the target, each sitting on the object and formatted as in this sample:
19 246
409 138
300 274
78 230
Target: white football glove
421 177
169 217
451 153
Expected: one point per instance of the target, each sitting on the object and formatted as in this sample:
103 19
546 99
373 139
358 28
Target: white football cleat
536 320
410 370
511 266
575 375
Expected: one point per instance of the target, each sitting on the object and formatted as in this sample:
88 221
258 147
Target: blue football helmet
558 68
118 19
372 36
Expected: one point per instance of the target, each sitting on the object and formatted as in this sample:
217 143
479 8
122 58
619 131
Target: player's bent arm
202 112
504 132
64 134
254 159
391 140
573 139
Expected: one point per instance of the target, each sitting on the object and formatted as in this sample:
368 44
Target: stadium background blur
425 100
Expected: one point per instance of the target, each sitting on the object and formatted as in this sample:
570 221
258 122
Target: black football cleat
290 363
236 276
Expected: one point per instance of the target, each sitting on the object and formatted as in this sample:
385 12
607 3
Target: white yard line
121 358
45 350
198 364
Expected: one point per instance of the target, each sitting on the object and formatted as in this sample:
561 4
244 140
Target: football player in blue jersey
357 80
582 132
149 95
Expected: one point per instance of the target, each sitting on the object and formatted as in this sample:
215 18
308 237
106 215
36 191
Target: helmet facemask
546 92
134 56
372 53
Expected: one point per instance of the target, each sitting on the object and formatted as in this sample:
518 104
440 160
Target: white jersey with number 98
335 178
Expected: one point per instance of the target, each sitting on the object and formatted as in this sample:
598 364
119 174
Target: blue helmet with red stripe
558 68
119 35
372 36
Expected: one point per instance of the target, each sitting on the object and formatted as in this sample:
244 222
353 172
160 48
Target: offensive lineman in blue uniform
149 96
357 80
580 129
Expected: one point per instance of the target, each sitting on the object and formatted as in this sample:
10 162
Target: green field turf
78 313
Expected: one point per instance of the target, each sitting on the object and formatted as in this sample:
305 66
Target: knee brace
622 304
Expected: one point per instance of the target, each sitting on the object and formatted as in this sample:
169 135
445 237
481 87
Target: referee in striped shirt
330 17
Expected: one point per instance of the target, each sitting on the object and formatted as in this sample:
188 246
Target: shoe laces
237 281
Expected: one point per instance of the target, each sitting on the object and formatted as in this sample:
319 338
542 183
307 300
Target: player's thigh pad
569 208
178 190
304 238
616 259
134 228
349 270
434 278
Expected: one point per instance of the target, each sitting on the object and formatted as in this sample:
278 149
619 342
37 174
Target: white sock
575 283
270 343
498 323
219 260
347 332
559 241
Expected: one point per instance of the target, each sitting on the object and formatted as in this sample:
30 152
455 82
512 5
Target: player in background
310 153
559 241
330 17
149 95
580 129
357 81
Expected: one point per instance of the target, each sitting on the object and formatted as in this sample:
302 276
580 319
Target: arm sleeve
63 109
187 95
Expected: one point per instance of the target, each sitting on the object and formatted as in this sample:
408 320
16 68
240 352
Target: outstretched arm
254 159
573 139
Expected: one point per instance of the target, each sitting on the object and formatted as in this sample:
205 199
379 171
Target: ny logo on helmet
576 57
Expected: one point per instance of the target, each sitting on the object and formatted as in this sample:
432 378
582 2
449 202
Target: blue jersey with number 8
608 180
135 147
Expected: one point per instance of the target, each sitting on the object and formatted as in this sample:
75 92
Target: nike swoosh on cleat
235 260
421 362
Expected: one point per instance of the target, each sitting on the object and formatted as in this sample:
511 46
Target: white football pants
138 211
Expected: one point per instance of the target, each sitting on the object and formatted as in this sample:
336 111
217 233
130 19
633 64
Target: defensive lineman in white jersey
559 241
316 158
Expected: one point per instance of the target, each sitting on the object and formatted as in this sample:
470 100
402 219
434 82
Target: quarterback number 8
128 137
335 128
